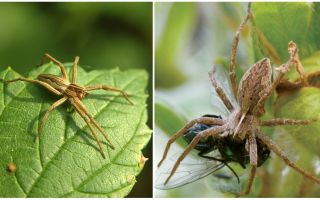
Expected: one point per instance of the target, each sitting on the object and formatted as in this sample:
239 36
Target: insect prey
243 123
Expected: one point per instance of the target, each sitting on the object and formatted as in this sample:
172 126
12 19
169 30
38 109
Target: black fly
214 154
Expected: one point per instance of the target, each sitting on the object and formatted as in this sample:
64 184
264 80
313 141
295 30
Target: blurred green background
190 37
104 35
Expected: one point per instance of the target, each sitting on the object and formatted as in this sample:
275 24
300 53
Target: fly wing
190 169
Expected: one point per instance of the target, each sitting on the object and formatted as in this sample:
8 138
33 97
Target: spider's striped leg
208 132
79 110
53 106
293 51
253 153
85 111
108 88
183 130
220 91
283 121
313 77
279 152
233 55
75 70
44 84
62 68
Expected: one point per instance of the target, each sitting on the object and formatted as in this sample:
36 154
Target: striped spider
72 93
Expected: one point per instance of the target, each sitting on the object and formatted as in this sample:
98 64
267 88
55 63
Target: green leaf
276 24
302 104
167 120
176 35
64 161
280 177
310 64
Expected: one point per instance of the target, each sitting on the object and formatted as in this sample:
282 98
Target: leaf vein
69 139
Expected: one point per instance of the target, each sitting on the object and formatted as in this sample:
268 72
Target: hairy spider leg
209 132
44 84
183 130
75 104
279 152
75 70
253 153
282 70
222 95
53 106
50 88
108 88
233 55
283 121
62 68
85 111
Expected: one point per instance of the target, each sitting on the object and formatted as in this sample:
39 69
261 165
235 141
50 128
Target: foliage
64 160
273 26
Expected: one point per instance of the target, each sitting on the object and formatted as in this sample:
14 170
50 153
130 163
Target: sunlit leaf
64 160
276 24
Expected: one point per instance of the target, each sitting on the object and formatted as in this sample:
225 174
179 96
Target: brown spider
244 122
70 92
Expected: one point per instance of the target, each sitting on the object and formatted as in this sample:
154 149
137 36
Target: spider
244 122
71 92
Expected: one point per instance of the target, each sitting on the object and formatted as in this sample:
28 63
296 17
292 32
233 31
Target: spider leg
293 50
53 106
283 121
304 80
233 55
287 85
279 152
253 153
75 70
220 92
85 111
44 84
300 70
105 87
89 125
62 68
209 132
313 76
183 130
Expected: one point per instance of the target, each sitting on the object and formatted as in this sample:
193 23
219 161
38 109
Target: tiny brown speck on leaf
12 167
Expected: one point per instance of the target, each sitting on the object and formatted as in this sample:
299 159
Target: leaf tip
142 161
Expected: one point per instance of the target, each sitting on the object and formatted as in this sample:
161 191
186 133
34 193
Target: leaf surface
64 161
276 24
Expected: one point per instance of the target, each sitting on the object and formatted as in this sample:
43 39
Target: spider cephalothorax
244 122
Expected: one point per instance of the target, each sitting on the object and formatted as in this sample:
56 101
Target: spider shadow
86 136
39 97
108 97
70 122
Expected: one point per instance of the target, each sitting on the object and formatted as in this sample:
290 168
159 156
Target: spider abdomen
254 83
54 81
